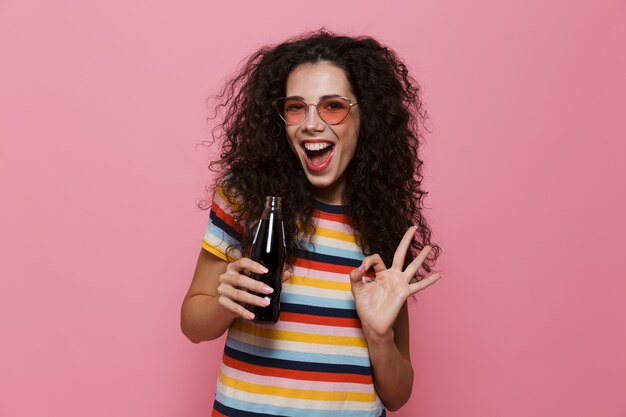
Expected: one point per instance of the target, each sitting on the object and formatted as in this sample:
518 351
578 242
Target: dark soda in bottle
268 249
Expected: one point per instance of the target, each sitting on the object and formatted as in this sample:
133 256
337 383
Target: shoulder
225 194
224 230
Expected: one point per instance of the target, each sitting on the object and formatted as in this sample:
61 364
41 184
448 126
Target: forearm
203 318
393 374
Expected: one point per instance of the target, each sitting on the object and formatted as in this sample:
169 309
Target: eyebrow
321 98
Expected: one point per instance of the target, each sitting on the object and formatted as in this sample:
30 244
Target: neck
330 195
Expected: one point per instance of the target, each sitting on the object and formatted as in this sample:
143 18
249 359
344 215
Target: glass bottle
268 249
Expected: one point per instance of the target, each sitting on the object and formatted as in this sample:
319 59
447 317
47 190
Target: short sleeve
222 231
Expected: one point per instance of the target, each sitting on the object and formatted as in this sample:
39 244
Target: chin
319 181
328 190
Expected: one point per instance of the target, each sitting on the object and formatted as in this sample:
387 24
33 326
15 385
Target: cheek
354 140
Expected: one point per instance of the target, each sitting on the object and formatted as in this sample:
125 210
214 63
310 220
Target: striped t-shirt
314 362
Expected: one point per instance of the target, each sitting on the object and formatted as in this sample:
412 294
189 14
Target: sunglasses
332 111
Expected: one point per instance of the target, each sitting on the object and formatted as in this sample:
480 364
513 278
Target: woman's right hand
234 286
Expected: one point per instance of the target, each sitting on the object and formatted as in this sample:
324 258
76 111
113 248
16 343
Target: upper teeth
316 146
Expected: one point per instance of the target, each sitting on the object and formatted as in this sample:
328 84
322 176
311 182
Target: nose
312 121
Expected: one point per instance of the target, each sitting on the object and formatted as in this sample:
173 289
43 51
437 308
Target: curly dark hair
382 193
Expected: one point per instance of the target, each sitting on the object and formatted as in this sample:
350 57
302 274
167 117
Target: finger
412 268
235 308
287 273
356 275
426 282
373 261
403 247
247 264
243 297
247 283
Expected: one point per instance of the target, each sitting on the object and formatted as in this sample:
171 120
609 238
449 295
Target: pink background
102 106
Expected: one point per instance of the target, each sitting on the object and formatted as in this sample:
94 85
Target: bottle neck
273 206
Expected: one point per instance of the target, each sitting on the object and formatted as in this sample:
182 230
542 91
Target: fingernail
361 268
250 316
268 290
264 270
266 302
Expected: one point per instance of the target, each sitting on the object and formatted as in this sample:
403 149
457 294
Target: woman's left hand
378 301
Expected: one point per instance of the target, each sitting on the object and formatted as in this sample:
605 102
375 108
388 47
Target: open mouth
318 155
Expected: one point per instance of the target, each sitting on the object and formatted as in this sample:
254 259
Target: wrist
377 338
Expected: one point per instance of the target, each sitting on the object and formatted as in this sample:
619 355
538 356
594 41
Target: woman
332 124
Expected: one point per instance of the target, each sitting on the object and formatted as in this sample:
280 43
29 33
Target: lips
318 153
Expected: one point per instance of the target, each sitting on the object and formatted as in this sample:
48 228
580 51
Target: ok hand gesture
379 301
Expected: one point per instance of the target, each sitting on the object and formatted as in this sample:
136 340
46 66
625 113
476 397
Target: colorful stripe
296 355
260 406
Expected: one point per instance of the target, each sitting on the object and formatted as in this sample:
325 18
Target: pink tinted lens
293 110
333 110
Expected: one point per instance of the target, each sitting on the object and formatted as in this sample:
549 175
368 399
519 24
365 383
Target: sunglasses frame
308 105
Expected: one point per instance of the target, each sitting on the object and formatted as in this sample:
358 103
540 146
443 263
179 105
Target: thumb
287 273
356 276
